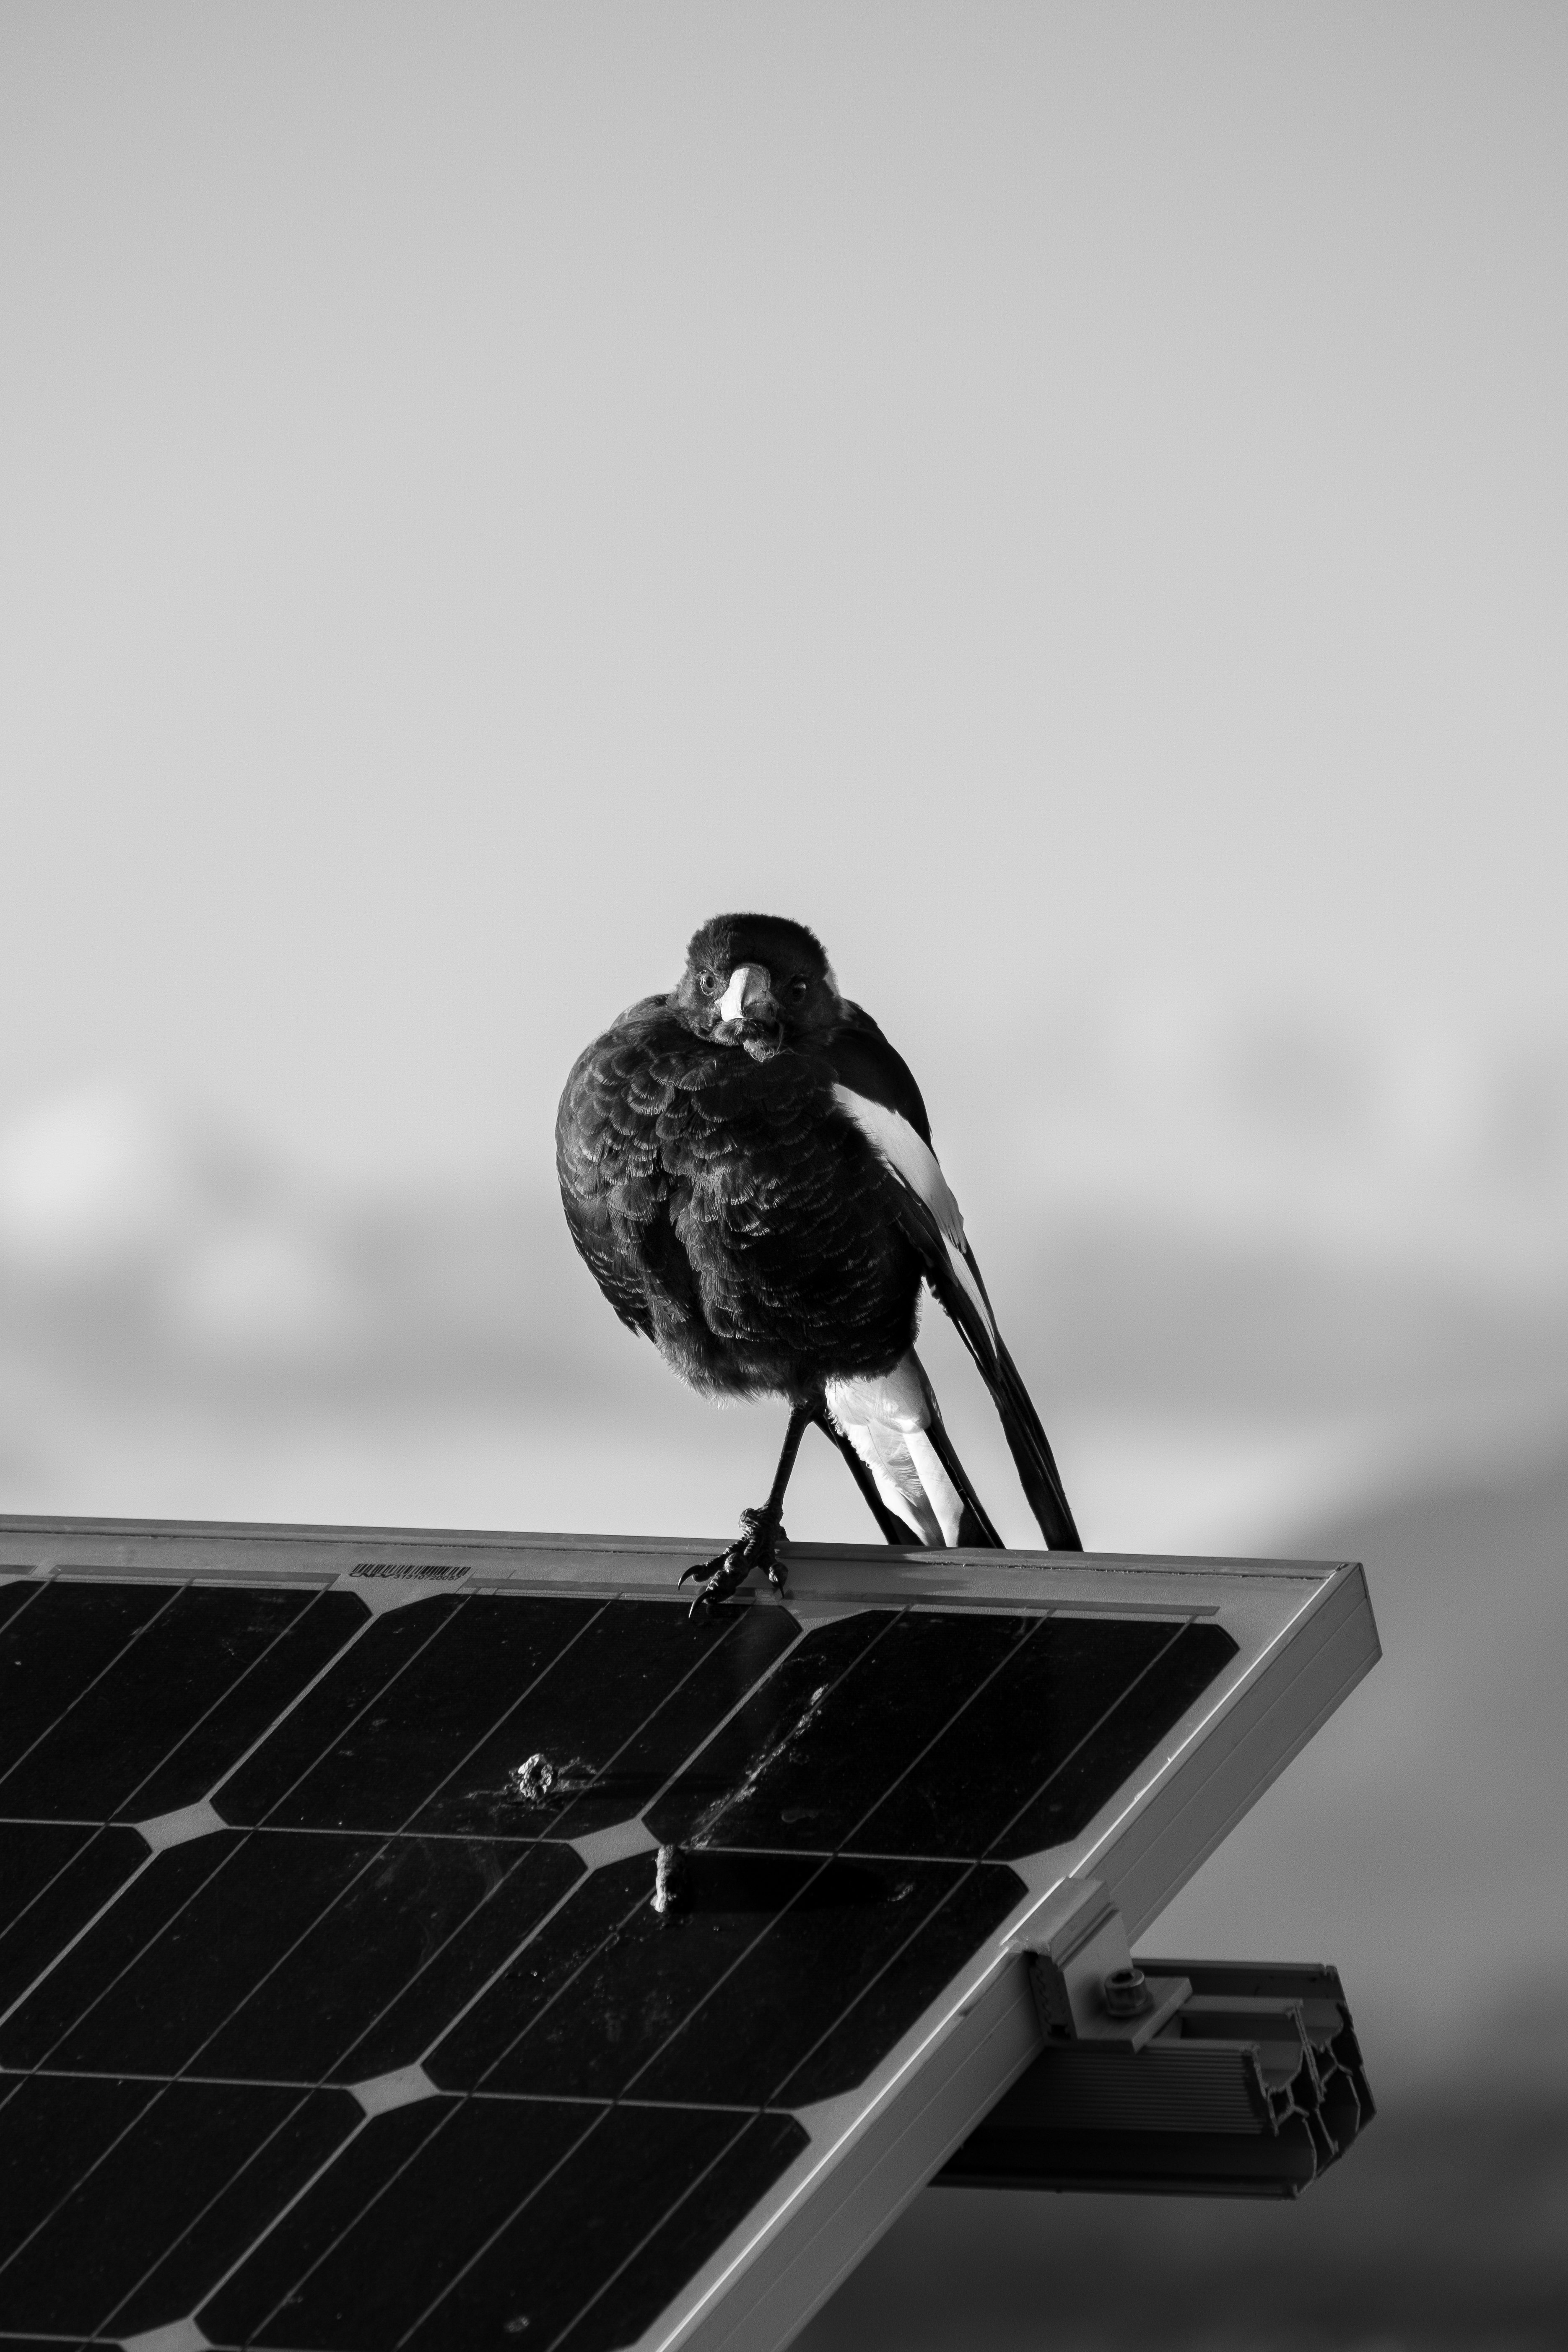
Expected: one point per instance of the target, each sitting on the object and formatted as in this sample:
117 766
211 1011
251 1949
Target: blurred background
1069 501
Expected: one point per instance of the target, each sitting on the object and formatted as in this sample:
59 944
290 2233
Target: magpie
746 1167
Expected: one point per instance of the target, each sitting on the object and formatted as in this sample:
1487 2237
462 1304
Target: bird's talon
753 1548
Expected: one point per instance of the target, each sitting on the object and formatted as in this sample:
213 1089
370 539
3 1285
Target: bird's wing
614 1187
873 1086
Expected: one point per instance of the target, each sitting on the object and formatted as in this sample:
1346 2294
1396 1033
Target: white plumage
914 1163
885 1417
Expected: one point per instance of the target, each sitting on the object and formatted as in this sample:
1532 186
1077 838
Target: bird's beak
750 995
749 1013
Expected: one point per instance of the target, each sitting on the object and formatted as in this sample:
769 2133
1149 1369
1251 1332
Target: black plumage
745 1166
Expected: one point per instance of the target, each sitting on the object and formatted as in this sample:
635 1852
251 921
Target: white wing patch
914 1163
885 1417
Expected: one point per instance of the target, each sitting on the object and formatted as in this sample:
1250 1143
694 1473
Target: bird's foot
755 1547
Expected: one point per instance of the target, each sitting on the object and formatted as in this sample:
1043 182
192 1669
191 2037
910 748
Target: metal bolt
1126 1993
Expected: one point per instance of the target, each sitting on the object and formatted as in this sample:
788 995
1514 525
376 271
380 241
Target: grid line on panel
698 1664
24 2074
229 2181
242 1840
727 1718
495 2098
273 2221
373 1861
647 2237
77 1855
379 1844
327 1666
920 1926
703 1836
606 2284
452 2022
449 2024
322 2082
1094 1730
69 1946
307 2090
559 1994
1008 1659
826 1858
340 1731
510 1709
284 1633
561 1990
779 2090
714 1991
88 1688
385 2188
30 1583
458 1928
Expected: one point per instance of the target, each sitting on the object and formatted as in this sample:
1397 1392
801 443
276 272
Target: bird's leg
755 1547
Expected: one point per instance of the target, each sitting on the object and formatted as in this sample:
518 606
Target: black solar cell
375 2032
54 1876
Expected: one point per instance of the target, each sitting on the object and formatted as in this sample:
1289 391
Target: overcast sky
1066 500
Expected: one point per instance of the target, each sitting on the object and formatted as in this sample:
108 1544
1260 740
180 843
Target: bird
747 1170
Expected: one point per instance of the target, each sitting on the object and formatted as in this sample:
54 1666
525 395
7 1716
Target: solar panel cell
748 1642
523 1883
16 1596
106 2006
769 1740
1145 1712
53 1876
1050 1690
166 2181
413 2197
52 1654
880 2004
491 2221
320 1624
641 1686
401 1712
867 1728
287 1952
722 1997
200 1646
792 2002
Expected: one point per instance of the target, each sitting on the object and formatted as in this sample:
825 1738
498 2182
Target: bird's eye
797 990
707 981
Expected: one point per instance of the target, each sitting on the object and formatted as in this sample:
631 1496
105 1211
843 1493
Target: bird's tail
1031 1450
891 1424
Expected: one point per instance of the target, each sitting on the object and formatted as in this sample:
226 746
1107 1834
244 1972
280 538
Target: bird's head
758 982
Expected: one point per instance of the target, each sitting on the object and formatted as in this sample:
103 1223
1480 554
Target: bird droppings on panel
533 1780
670 1878
781 1746
540 1780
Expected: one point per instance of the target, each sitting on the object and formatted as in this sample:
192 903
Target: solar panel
443 1940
